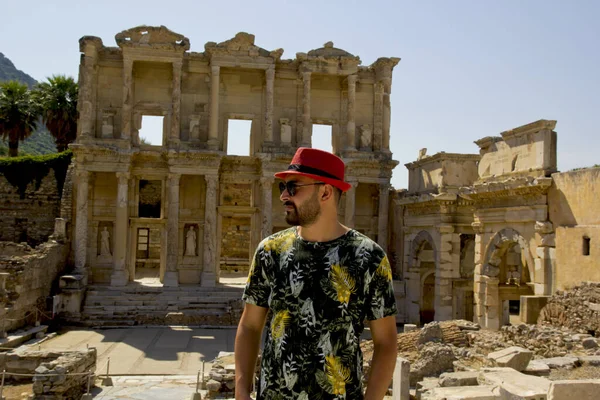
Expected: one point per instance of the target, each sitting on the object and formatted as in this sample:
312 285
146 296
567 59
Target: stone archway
421 279
506 274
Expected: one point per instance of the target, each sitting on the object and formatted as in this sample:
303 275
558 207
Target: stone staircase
137 305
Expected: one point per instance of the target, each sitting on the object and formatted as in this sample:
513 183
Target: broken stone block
560 362
431 332
410 327
425 386
463 393
593 361
451 379
213 386
537 369
512 357
515 385
585 389
589 343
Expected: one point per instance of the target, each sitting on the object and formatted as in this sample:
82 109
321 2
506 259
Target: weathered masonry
183 209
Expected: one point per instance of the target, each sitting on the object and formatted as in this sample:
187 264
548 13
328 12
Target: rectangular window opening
151 130
514 307
238 137
586 246
322 137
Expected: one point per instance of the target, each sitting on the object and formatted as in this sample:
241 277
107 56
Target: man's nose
285 195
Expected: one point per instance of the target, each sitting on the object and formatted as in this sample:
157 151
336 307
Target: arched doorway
508 269
421 277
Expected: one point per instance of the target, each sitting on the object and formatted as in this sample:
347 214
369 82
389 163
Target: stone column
545 259
171 278
387 114
492 304
350 204
176 100
270 75
378 116
306 121
210 270
351 125
478 278
81 222
87 101
120 275
384 204
443 273
126 111
267 206
213 127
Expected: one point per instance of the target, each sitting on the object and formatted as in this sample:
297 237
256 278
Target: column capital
352 79
306 75
478 227
384 187
353 182
82 175
211 180
215 69
174 178
267 182
270 72
123 176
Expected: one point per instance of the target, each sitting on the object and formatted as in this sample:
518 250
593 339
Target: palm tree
57 100
18 114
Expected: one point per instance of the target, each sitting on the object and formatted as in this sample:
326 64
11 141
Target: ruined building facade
183 210
488 237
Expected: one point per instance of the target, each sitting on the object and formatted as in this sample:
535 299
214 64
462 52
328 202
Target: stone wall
30 276
66 377
573 204
28 210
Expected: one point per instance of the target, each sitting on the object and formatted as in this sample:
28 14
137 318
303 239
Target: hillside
41 142
9 72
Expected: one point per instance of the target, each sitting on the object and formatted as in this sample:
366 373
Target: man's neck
323 230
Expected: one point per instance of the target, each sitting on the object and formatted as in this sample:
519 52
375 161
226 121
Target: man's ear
327 192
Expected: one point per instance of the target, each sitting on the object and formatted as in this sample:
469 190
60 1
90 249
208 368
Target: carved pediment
241 44
156 37
328 51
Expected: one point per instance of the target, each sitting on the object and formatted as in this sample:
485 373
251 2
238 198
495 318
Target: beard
304 215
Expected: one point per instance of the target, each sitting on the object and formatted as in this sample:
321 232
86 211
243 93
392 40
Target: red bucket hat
317 164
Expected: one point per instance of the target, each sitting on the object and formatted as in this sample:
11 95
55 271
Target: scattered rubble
221 383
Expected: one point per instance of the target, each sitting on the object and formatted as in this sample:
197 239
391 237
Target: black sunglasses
292 186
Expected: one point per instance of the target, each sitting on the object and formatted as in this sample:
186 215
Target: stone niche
105 242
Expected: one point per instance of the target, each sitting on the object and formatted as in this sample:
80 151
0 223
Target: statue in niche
286 131
190 242
105 243
366 137
108 122
513 276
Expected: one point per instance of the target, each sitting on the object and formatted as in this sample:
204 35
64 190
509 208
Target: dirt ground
584 372
18 391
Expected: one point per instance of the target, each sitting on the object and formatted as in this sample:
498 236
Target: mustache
289 203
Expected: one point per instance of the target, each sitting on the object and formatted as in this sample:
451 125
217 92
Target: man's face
303 208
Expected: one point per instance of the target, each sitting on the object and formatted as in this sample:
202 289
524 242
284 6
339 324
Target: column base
208 279
212 144
171 279
119 278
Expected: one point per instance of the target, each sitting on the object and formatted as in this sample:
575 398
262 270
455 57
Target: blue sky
469 69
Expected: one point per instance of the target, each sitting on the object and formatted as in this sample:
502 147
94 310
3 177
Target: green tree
57 100
18 114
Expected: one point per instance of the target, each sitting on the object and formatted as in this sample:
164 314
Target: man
320 280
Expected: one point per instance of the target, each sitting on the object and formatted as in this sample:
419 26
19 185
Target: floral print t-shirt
320 294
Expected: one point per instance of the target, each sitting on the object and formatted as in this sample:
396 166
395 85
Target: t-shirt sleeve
381 301
257 289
